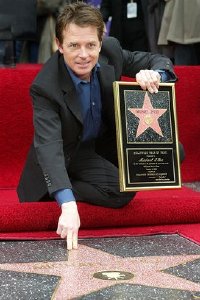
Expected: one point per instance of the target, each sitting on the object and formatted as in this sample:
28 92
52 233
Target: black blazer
58 122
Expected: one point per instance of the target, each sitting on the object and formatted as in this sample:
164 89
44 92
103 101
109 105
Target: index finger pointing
75 240
69 240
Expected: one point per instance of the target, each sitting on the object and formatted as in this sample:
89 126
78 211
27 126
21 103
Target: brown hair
81 14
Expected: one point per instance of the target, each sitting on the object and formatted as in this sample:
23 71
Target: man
73 156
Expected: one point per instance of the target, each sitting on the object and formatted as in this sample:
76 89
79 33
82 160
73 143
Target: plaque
147 137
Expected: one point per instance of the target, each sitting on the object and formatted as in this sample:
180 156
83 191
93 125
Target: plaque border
120 116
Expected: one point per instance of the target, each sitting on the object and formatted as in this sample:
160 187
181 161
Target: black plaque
147 137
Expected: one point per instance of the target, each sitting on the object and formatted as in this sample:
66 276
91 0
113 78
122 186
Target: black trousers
96 180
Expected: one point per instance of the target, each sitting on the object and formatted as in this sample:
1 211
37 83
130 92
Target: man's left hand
149 80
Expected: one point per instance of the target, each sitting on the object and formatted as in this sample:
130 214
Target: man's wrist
69 204
63 196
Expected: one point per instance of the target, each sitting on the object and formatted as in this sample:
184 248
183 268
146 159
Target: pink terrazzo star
77 273
148 116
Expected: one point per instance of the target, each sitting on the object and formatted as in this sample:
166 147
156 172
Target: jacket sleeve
133 62
127 63
48 142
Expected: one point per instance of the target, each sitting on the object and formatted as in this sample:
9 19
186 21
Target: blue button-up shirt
89 96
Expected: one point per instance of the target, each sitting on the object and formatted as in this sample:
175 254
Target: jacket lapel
106 78
69 91
73 104
106 75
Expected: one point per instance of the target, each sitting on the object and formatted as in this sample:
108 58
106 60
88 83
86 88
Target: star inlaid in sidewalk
77 273
148 116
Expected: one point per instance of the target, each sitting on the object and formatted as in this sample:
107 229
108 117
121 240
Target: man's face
80 49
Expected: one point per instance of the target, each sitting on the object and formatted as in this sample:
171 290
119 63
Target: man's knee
122 200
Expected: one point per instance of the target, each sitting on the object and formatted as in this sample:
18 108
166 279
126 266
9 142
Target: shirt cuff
165 75
64 196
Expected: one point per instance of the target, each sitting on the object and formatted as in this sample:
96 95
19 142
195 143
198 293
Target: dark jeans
96 180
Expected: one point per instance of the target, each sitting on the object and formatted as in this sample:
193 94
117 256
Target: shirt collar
76 79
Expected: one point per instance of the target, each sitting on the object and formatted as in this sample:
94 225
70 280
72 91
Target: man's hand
148 80
68 224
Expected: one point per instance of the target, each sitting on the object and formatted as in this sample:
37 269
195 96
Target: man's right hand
68 224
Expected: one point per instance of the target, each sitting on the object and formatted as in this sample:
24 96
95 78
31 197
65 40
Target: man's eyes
77 46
